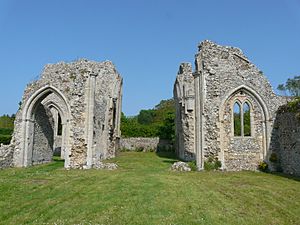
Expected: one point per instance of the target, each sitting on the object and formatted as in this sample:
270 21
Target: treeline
290 87
157 122
6 128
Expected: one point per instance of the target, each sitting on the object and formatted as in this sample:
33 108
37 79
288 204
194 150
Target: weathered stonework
6 156
181 166
184 94
144 144
286 143
204 109
85 97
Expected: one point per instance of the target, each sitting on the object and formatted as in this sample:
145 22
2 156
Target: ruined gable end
234 109
73 111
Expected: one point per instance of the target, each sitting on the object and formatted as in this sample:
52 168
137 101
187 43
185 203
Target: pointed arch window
241 119
246 119
237 119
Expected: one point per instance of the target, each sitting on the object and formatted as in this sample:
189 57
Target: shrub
5 139
263 166
218 164
273 158
139 149
6 131
212 164
124 150
193 165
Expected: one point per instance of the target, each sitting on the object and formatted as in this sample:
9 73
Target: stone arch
60 119
28 120
254 100
252 92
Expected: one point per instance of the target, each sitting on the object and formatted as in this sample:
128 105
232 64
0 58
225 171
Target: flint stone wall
222 76
286 141
43 136
185 120
87 94
6 156
144 144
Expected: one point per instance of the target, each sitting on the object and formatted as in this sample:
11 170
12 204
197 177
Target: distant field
144 191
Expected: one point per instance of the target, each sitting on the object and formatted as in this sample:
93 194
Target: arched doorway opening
45 127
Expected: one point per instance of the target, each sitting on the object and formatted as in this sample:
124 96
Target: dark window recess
59 126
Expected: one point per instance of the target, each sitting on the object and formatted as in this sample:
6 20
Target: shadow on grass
56 163
170 156
57 159
291 177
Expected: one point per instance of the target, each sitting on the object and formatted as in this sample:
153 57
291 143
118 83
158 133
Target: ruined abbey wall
145 144
222 77
286 142
87 96
6 156
185 110
43 135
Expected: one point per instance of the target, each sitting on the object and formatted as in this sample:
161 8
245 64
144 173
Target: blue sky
146 40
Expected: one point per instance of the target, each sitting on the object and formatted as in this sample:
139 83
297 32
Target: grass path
144 191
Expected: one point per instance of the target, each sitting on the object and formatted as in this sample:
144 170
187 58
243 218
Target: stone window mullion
242 120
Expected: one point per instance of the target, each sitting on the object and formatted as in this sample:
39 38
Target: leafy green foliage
157 122
247 122
6 131
273 157
237 119
7 121
130 127
193 165
6 128
146 116
292 86
167 130
237 124
292 106
5 139
263 166
212 164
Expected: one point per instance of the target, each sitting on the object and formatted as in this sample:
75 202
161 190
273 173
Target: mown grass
144 191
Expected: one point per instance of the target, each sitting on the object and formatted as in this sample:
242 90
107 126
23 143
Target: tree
167 130
157 122
6 128
292 85
281 87
146 116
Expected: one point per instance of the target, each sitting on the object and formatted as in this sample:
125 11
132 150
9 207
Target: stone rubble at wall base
181 166
106 166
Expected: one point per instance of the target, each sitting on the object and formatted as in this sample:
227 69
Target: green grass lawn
144 191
